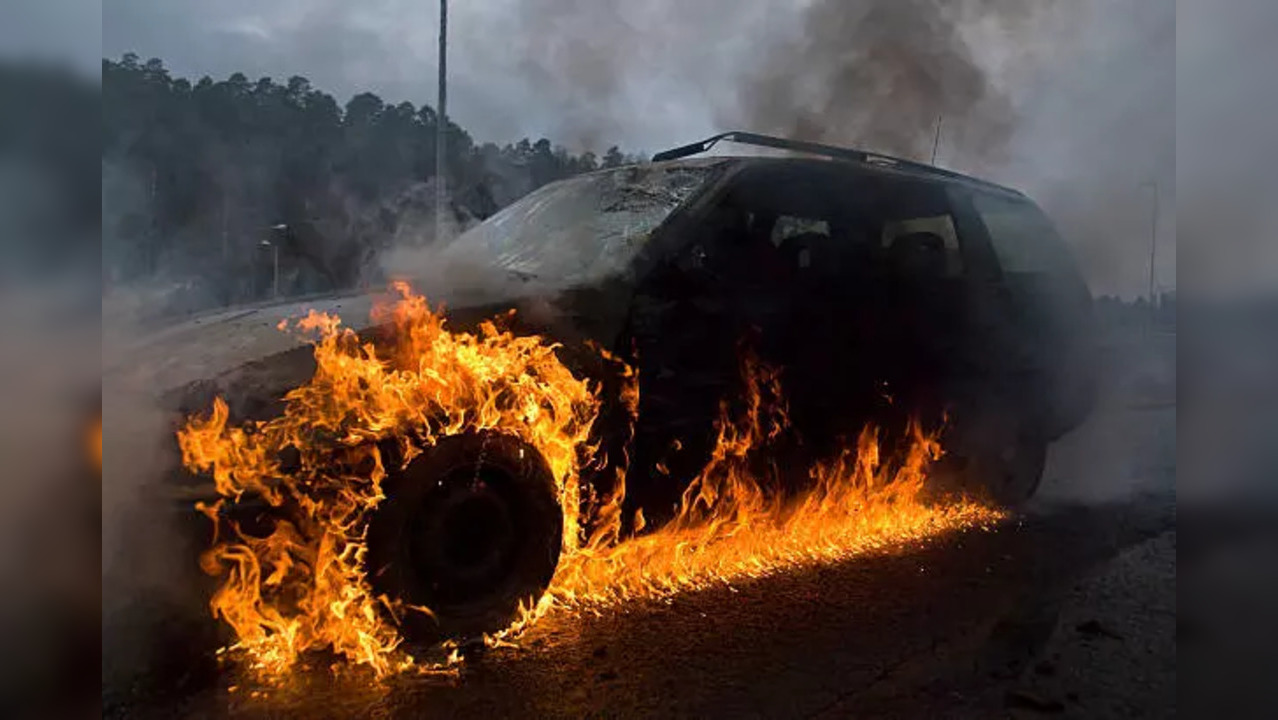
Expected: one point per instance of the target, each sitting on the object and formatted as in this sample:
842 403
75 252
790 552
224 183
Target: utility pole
936 141
441 123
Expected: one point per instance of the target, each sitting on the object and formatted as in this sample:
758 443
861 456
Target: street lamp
936 141
1153 248
275 260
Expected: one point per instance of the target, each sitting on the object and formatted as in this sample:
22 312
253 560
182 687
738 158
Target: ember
304 585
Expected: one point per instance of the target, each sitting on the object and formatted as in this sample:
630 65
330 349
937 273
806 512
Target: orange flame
729 528
302 587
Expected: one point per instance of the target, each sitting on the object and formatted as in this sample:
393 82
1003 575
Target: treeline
197 175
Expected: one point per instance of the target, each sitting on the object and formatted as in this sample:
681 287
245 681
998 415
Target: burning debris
399 496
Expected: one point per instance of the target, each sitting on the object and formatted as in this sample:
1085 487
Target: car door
921 339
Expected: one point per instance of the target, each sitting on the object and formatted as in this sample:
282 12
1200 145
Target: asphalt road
1062 611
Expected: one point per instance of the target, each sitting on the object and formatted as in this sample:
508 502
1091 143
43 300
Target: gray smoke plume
882 75
876 74
1073 102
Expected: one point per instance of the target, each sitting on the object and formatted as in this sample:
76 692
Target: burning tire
469 529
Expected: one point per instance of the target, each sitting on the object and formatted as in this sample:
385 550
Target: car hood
213 345
210 344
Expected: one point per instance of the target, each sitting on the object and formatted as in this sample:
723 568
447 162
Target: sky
1071 100
58 30
507 58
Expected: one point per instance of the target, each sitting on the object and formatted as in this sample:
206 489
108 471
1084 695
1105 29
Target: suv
882 289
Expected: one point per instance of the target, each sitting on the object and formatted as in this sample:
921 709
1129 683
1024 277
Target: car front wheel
470 529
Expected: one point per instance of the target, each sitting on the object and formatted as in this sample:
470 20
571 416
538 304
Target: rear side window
1024 239
940 225
787 227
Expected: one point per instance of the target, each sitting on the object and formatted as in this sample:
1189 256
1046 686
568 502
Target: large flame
302 586
730 527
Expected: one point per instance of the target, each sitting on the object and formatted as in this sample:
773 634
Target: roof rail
862 156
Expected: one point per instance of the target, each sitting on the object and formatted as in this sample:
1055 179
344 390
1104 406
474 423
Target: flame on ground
729 527
302 587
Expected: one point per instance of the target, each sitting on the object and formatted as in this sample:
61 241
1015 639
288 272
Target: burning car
602 335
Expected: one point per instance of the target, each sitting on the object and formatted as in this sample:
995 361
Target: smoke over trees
197 177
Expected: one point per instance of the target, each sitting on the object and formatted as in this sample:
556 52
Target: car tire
1013 475
471 529
1006 475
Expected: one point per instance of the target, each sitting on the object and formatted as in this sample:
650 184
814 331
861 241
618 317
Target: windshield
584 228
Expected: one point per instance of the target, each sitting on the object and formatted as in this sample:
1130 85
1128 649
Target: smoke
1073 102
48 382
153 597
882 75
153 600
1096 145
874 74
1226 147
1226 492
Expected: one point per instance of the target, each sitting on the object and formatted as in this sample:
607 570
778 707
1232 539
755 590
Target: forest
206 183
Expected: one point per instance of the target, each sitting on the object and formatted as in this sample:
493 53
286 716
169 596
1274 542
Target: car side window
939 225
788 227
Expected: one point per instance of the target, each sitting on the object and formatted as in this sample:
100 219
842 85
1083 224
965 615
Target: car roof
800 152
872 168
877 169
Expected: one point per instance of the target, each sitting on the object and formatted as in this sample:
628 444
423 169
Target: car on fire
883 289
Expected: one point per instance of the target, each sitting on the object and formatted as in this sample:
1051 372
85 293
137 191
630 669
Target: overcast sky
504 59
1073 100
53 30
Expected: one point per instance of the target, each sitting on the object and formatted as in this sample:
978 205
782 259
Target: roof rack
862 156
